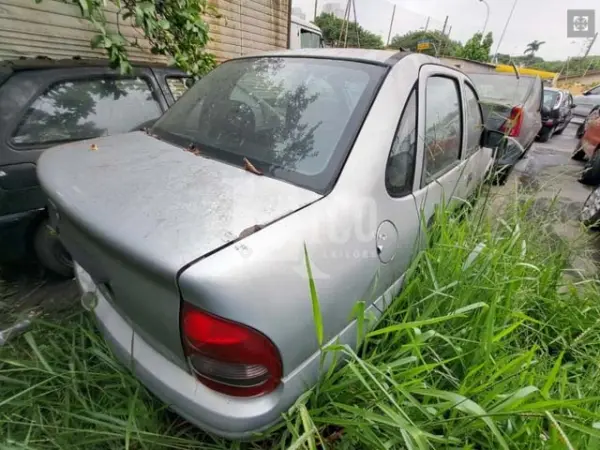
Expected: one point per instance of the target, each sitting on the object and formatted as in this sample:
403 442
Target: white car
191 237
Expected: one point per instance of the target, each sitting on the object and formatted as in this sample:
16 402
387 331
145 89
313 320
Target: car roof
38 63
381 57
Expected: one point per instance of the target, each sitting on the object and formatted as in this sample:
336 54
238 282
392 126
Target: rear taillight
229 357
512 126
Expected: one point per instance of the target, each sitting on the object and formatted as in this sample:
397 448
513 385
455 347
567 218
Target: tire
50 252
578 154
560 130
591 171
545 134
590 213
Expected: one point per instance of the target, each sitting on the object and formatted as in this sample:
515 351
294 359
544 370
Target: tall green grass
487 347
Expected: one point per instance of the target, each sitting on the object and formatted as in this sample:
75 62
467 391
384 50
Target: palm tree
533 47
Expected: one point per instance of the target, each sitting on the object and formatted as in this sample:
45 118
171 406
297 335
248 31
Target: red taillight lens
227 356
513 123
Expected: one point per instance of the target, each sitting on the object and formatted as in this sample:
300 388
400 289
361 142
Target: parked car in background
48 102
557 112
588 149
584 105
513 106
195 254
590 212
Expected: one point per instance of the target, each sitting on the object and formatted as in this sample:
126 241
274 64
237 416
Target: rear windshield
550 98
292 118
502 88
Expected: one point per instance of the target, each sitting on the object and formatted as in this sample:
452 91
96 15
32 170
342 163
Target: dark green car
47 102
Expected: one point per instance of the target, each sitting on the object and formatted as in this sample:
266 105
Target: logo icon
581 23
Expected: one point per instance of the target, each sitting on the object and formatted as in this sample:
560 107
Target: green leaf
164 24
552 376
96 41
314 298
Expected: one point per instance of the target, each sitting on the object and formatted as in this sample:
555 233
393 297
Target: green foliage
445 45
477 48
174 28
334 33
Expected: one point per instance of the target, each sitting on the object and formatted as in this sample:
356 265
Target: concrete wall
592 78
468 66
56 29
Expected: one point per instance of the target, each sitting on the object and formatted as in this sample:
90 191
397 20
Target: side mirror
496 140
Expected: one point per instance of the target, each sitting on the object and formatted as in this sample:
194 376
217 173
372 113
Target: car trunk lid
134 210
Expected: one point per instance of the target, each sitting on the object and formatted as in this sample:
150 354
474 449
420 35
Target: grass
487 347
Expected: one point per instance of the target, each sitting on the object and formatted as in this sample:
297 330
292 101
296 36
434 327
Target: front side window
399 171
474 120
84 109
595 91
292 118
443 125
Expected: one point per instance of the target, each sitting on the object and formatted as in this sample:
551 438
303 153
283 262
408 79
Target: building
467 65
335 9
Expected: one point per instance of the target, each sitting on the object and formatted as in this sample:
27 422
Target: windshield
550 98
502 88
292 118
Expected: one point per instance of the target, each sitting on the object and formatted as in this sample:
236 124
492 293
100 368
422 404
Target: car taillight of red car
227 356
513 124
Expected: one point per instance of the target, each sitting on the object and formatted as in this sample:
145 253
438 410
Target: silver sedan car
190 238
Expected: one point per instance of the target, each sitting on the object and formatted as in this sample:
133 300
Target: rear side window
179 85
474 120
399 171
83 109
443 126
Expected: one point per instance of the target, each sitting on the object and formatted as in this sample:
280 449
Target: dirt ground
547 173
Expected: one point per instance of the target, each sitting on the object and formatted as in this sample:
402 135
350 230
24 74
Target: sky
544 20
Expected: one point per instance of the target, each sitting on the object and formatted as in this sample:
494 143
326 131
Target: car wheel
50 251
560 130
545 134
590 213
591 171
578 154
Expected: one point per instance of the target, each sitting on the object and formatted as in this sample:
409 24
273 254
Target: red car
588 149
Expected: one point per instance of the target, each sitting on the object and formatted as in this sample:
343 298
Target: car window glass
474 121
178 85
293 118
399 171
83 109
443 125
595 91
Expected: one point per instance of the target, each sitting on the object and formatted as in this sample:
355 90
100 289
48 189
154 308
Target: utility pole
356 24
504 30
427 23
587 52
391 24
445 23
316 2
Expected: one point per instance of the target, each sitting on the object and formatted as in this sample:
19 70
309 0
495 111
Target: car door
439 164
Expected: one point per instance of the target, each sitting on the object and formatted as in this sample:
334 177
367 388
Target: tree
174 28
477 48
333 27
533 47
441 42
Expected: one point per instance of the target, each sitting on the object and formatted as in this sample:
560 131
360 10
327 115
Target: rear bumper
15 233
229 417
